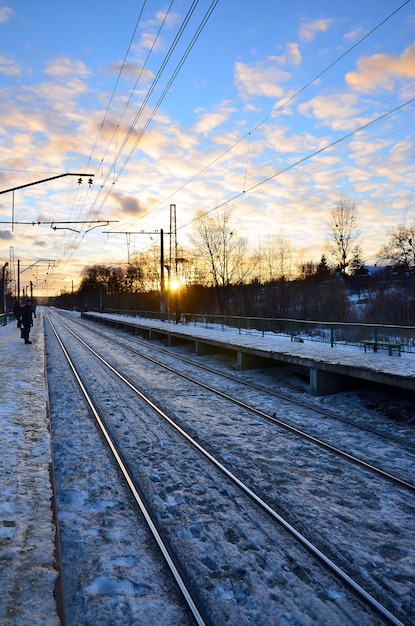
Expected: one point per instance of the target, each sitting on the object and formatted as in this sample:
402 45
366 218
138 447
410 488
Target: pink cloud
382 70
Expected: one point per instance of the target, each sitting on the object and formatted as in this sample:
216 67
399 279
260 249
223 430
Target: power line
280 107
165 91
307 157
64 251
133 91
118 78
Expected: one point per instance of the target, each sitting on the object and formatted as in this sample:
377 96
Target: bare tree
343 232
218 245
274 259
148 263
399 251
134 276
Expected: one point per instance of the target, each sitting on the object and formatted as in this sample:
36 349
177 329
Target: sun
174 284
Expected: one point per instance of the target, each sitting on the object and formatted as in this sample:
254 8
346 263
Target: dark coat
26 318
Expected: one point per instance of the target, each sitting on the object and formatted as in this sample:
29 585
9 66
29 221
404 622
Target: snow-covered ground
27 564
25 436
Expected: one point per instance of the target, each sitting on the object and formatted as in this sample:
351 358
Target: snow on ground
27 574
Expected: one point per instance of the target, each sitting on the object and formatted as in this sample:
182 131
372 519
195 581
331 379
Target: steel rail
359 590
133 489
350 457
275 394
245 383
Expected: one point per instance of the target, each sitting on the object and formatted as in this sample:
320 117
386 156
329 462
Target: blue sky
273 109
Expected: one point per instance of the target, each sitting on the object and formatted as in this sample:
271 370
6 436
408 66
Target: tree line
218 274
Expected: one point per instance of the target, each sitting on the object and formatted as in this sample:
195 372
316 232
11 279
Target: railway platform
28 569
330 369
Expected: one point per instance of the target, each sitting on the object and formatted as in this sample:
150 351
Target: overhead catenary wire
164 93
278 109
65 247
118 80
113 164
319 137
75 242
307 157
128 157
155 108
93 210
258 125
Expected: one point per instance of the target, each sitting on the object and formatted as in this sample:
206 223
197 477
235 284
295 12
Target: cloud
382 70
5 234
131 71
292 55
9 67
354 35
130 205
308 30
209 121
5 14
331 110
261 79
61 97
63 67
284 142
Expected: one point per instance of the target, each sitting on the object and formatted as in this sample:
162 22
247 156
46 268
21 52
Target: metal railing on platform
333 333
5 318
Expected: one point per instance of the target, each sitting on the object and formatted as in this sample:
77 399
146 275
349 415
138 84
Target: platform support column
325 383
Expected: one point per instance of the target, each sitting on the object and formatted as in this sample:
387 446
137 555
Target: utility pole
173 239
144 232
4 287
18 281
161 271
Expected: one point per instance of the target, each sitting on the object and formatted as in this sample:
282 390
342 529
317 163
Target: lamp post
4 287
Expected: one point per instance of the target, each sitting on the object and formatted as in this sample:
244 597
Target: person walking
17 311
26 321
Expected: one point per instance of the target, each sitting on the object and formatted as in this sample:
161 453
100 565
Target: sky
273 110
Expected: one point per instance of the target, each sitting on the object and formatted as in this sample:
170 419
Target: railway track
310 426
284 397
208 579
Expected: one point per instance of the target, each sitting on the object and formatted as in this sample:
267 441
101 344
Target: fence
5 318
333 333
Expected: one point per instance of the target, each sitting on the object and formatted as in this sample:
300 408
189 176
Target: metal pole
18 281
4 287
45 180
161 272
